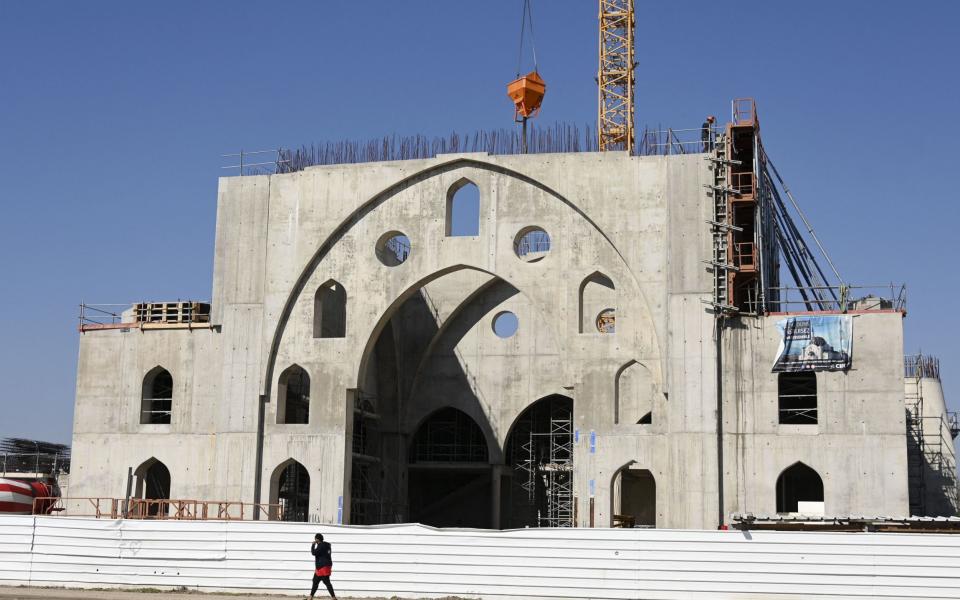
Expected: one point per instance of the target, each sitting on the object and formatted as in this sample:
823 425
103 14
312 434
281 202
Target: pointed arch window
800 490
598 298
293 405
330 311
156 398
463 209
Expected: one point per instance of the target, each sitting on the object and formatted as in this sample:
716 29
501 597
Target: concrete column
496 472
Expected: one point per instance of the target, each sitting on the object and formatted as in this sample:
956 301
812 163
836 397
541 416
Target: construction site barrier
139 508
414 561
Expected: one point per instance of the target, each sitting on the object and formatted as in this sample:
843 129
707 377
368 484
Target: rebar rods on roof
560 137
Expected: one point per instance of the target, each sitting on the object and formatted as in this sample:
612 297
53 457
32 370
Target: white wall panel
417 561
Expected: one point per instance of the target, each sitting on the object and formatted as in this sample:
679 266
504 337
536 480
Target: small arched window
797 398
463 209
330 311
156 398
598 297
799 490
293 405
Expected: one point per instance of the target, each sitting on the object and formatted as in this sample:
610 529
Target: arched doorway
152 486
290 489
799 490
539 452
449 472
634 498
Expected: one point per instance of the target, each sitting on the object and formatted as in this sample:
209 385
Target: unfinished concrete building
592 346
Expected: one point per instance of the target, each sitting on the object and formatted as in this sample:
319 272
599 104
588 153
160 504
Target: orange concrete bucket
527 94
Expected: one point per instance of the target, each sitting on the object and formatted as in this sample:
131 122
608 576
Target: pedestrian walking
323 565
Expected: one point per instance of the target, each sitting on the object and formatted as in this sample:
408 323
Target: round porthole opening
505 324
607 321
531 244
393 248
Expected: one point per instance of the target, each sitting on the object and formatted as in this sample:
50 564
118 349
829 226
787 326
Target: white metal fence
412 561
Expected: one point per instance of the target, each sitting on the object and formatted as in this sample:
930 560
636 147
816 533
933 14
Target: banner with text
815 343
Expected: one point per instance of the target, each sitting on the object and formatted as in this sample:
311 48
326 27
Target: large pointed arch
539 451
392 190
350 223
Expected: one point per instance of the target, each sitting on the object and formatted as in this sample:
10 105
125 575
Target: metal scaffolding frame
552 471
928 468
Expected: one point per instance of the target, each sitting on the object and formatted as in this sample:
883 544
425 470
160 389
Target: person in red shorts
323 562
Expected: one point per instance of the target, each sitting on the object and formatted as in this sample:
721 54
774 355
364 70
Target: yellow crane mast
615 75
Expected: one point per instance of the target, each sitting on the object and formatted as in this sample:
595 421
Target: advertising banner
815 343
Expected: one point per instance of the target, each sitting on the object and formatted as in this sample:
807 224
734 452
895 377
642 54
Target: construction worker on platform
706 134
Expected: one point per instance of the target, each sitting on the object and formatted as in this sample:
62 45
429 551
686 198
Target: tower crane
615 76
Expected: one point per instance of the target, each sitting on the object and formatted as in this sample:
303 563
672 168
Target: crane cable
527 16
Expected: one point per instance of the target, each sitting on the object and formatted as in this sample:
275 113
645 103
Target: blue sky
113 117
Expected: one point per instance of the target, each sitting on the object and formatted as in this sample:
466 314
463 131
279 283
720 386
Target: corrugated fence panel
418 561
16 543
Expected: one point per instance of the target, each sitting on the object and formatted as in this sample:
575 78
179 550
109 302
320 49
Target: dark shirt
322 554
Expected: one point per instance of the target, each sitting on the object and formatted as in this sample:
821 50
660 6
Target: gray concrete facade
626 233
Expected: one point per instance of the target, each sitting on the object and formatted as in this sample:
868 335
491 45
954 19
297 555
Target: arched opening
290 489
330 311
634 498
463 209
449 472
156 398
539 452
411 368
598 296
800 491
797 398
633 395
153 487
293 402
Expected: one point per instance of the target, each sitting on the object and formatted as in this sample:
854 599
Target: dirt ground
30 593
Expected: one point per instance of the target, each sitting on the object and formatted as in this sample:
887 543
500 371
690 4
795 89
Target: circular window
607 321
393 248
531 244
505 324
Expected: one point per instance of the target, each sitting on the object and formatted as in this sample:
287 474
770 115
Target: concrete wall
639 221
858 446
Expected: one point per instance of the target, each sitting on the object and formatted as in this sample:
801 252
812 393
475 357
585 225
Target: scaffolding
931 462
545 465
755 233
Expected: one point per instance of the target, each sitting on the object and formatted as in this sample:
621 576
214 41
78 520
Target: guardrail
841 298
138 314
140 508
